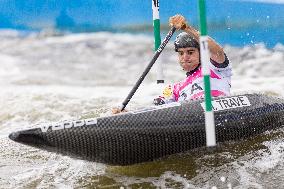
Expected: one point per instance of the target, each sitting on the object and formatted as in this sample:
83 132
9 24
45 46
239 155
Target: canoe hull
146 135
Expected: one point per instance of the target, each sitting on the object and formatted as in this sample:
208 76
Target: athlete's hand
117 110
178 21
158 101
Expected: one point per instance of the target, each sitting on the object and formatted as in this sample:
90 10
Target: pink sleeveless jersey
192 87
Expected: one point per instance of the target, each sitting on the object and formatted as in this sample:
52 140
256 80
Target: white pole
205 59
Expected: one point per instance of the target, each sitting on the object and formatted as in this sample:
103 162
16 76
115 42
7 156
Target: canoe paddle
147 69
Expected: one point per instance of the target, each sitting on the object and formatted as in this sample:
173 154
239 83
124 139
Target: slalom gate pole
147 69
157 37
205 59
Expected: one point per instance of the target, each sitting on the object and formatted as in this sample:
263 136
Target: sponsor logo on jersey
195 87
229 103
67 124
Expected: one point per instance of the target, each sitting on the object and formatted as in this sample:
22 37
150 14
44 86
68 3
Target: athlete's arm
216 51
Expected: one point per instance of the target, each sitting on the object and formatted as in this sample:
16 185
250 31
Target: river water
52 78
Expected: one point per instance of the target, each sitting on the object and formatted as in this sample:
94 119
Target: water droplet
229 186
223 179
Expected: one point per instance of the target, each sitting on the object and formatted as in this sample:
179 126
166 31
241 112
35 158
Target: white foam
270 159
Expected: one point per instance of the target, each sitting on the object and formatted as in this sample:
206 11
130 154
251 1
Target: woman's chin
188 69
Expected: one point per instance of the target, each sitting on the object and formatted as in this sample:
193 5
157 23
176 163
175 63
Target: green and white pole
157 38
205 59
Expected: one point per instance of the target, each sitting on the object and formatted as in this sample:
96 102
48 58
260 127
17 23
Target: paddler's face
188 58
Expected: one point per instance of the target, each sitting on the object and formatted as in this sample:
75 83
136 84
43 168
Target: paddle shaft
147 69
